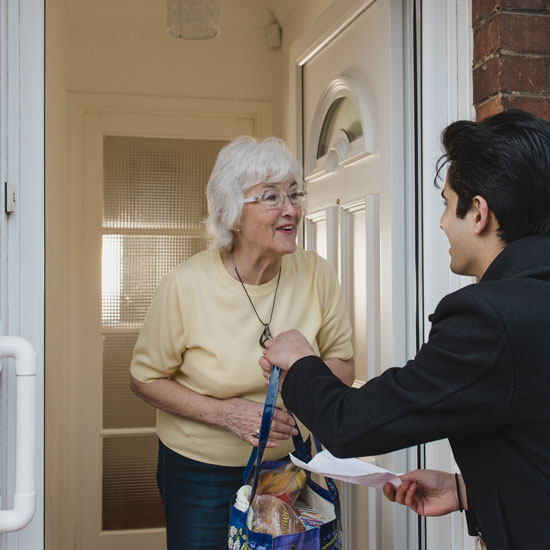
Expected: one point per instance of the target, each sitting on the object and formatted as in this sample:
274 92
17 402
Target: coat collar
526 257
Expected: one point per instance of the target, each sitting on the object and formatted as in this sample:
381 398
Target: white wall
123 47
300 18
59 266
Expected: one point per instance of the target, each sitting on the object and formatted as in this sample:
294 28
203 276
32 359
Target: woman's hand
427 492
267 367
243 417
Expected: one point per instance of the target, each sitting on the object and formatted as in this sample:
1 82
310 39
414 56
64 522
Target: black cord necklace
266 334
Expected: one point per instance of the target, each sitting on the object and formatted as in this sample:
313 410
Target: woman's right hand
243 417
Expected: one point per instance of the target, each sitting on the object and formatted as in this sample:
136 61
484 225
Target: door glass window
153 212
343 116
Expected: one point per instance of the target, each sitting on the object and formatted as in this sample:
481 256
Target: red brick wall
511 56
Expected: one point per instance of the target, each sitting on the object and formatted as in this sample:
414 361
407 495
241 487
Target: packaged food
242 500
312 509
273 516
284 482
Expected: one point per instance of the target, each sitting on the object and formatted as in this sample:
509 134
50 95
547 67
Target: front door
21 274
353 147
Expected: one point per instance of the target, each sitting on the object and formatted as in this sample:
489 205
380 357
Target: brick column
511 56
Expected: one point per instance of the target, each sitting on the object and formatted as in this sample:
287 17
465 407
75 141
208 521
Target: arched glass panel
342 115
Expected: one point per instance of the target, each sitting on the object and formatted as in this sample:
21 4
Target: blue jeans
196 499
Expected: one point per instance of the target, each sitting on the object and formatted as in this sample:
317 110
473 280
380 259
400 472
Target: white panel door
131 233
355 211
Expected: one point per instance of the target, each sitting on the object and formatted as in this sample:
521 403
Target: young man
482 379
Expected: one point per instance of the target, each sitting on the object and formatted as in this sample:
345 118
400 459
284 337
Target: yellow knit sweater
201 331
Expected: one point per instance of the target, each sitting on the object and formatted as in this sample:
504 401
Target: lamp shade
193 19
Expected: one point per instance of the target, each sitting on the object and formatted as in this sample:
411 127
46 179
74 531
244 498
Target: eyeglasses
274 199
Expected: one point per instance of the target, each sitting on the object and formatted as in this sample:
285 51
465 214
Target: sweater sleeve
161 342
460 380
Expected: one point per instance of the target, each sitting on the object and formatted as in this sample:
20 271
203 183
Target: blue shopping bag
327 536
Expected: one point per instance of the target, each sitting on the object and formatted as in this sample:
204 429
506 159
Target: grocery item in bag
272 515
284 482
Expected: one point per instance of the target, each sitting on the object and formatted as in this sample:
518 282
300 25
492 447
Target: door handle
24 501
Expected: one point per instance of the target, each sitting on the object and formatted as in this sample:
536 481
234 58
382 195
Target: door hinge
10 197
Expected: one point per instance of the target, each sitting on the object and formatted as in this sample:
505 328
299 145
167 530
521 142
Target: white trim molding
257 116
446 96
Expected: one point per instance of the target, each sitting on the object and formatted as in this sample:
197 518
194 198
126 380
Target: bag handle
331 485
265 427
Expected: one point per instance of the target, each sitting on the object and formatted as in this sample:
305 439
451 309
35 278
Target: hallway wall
60 261
300 18
123 47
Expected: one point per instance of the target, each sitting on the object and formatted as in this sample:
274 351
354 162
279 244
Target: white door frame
446 96
22 231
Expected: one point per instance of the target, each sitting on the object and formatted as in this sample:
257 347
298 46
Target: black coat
482 380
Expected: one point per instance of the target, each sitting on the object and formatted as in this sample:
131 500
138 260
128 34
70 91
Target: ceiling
233 12
279 8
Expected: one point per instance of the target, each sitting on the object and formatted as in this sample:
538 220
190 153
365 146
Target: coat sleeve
460 380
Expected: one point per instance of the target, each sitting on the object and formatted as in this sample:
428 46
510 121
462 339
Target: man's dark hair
504 158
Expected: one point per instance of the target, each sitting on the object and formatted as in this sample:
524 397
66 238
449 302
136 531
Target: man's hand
427 492
284 351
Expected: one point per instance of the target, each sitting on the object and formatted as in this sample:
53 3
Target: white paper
352 470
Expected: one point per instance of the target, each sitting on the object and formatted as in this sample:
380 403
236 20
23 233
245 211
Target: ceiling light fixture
193 19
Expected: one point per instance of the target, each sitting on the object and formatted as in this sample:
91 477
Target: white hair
242 164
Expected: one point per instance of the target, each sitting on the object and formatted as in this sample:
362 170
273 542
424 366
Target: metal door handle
24 501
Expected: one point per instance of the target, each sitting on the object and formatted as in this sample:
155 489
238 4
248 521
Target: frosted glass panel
132 268
121 407
153 213
130 495
342 115
156 183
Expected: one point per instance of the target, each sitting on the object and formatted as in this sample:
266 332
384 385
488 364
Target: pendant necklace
266 333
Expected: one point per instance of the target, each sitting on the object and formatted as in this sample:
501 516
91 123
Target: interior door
353 136
21 274
142 210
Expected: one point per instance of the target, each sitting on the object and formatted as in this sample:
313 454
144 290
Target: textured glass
153 213
121 407
342 115
156 183
130 495
132 268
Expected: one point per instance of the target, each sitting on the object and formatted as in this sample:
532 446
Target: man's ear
482 214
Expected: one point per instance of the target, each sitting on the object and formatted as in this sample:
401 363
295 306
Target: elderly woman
196 357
